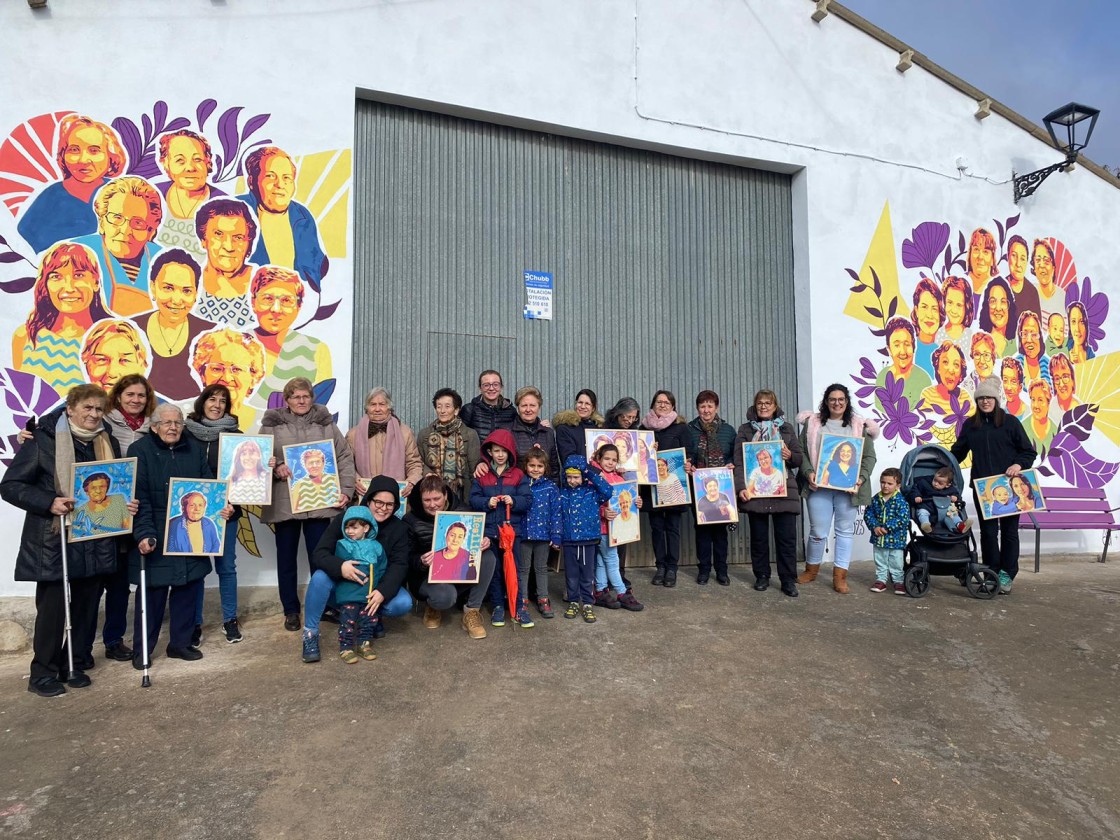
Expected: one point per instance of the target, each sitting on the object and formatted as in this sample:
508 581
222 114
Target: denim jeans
442 596
226 566
606 567
320 589
825 506
950 519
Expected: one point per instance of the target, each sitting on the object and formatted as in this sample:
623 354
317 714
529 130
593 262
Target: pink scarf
392 458
656 422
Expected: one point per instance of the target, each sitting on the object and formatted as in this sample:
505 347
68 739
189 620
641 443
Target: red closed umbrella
506 538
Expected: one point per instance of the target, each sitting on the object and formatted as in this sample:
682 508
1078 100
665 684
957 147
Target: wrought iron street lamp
1065 119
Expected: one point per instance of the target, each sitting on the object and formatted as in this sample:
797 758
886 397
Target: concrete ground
716 713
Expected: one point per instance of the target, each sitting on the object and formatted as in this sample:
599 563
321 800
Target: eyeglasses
1043 260
174 424
1062 377
662 402
377 503
837 400
219 370
982 357
136 222
287 303
489 385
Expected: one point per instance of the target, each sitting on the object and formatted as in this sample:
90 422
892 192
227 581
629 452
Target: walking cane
67 630
146 680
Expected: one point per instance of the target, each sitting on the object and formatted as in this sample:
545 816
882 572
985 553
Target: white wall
753 81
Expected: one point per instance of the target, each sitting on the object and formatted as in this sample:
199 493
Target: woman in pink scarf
383 445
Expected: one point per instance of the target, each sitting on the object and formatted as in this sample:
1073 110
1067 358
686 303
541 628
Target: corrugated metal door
669 272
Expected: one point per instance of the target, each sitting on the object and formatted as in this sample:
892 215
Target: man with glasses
129 211
489 410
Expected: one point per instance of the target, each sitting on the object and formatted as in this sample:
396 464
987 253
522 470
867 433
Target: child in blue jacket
502 486
543 528
360 545
888 518
580 496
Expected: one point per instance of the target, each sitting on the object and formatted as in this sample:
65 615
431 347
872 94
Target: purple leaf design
176 124
865 392
10 257
227 132
324 311
1012 221
159 112
20 284
238 169
130 137
893 308
876 285
276 399
323 391
146 121
883 351
924 245
866 368
1078 421
8 446
854 275
3 241
252 125
1070 462
962 245
202 113
873 312
948 258
899 421
148 168
27 395
999 227
859 287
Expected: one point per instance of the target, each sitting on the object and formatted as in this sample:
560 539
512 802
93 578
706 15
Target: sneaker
588 614
926 528
233 631
310 646
658 577
1004 583
899 589
964 526
523 618
196 636
607 600
291 622
432 618
349 657
628 602
498 616
573 610
879 586
46 687
472 623
544 607
365 650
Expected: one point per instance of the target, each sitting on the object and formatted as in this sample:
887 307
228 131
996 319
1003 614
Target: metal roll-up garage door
669 272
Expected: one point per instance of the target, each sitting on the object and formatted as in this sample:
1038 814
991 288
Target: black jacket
156 464
570 434
421 526
993 448
392 534
485 418
538 434
210 447
29 485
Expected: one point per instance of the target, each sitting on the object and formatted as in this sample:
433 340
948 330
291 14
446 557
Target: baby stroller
941 552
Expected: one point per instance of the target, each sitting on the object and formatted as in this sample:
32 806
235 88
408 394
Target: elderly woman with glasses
670 431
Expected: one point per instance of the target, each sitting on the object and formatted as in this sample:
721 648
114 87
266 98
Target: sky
1031 55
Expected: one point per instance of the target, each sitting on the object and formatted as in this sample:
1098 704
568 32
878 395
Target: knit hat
989 387
573 471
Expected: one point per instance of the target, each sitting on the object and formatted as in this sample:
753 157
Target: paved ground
716 713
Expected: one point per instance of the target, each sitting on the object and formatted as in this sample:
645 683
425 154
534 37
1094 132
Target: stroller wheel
916 580
982 583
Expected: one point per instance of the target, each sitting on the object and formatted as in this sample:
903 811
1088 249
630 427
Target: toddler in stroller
937 500
944 545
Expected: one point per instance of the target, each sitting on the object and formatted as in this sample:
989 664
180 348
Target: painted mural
190 248
989 301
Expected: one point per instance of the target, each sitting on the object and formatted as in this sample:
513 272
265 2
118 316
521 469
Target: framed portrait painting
456 547
624 501
193 525
715 496
838 462
243 463
764 471
101 491
313 483
672 487
647 458
1001 495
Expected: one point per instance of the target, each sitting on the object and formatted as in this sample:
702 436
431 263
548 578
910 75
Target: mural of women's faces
981 258
112 350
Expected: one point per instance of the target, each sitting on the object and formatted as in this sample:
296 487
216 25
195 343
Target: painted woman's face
1063 380
174 291
1011 387
1077 326
1017 262
96 490
71 290
186 163
1031 337
949 369
662 470
765 460
929 315
250 458
1040 404
114 357
86 157
315 465
981 260
845 454
998 308
901 347
276 307
455 537
954 307
1043 267
983 360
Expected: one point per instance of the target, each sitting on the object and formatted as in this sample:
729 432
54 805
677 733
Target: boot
658 576
810 573
839 580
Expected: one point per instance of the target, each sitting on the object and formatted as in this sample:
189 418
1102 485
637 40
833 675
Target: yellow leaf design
881 257
245 534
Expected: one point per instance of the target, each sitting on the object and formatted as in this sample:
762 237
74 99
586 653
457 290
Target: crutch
146 680
67 630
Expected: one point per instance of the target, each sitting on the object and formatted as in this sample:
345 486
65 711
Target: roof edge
926 63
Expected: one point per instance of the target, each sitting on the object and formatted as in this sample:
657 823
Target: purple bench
1071 509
